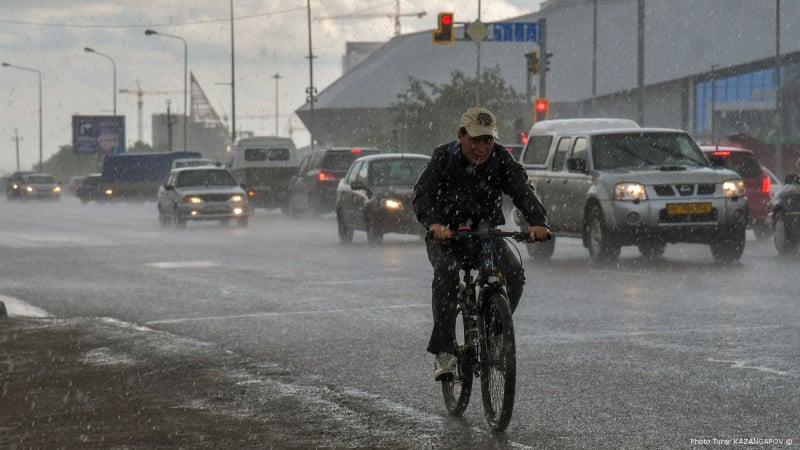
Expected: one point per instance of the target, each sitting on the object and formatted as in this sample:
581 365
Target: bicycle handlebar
518 236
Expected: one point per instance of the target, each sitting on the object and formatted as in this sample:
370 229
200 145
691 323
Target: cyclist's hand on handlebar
440 232
536 233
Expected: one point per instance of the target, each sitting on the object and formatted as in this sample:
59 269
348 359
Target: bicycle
486 350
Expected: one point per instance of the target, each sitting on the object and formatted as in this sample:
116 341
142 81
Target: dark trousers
446 259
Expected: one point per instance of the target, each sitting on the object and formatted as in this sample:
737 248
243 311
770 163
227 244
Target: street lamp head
150 32
88 49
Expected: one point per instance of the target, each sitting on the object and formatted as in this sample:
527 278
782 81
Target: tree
427 114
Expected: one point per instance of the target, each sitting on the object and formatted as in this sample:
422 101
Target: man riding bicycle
463 185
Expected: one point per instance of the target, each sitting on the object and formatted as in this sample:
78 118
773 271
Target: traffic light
547 61
541 109
533 62
444 34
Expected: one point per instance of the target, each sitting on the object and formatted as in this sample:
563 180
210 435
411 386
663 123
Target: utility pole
276 77
640 61
311 91
16 140
233 85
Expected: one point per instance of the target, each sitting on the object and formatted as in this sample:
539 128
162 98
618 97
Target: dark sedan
376 194
785 215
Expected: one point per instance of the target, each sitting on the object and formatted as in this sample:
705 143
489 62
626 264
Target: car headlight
237 198
29 189
391 204
629 191
194 200
56 189
733 188
108 192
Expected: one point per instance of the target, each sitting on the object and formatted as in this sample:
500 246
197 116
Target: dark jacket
451 191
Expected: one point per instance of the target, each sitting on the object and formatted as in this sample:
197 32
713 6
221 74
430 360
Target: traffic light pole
544 58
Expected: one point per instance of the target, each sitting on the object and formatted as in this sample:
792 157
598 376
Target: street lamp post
276 77
113 66
39 73
185 76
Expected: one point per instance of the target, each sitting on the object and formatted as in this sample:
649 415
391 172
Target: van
264 166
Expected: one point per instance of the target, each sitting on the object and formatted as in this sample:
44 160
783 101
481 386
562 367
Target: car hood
397 191
670 175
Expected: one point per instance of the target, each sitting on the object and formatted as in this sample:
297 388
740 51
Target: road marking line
281 314
182 264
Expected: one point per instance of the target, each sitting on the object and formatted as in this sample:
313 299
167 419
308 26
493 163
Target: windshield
399 172
645 150
341 160
41 179
193 178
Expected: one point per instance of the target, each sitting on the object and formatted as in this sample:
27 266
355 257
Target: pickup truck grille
683 190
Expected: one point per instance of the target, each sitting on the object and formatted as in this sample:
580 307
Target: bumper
633 221
213 211
397 221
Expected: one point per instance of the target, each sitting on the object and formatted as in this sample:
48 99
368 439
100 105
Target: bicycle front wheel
456 392
498 362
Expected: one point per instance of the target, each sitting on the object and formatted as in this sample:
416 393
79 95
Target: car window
537 149
641 150
399 172
278 154
353 172
340 161
255 154
561 154
204 178
579 148
745 164
361 175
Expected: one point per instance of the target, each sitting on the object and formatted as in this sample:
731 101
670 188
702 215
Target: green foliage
427 115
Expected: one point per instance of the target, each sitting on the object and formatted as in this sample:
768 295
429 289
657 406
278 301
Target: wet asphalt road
678 352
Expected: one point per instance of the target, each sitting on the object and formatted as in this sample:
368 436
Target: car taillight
327 176
766 185
722 153
355 150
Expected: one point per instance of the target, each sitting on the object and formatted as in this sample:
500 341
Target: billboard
100 135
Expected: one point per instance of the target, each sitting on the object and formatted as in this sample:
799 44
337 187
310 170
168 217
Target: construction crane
140 102
396 16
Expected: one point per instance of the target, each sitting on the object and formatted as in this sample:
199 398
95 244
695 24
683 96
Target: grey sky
270 37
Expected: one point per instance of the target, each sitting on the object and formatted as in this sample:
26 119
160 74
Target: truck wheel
345 232
602 246
541 251
163 219
729 248
374 234
652 249
762 231
179 220
785 241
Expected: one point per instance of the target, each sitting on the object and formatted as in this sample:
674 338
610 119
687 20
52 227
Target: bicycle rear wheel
456 392
498 362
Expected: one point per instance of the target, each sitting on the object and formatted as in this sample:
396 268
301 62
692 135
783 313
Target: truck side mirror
576 165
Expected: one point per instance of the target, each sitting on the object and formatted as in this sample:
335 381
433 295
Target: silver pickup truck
613 184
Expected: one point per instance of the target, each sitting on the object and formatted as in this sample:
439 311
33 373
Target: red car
757 182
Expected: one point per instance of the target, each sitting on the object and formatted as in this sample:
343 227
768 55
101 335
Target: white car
201 193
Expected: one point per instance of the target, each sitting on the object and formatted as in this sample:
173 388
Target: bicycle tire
498 361
456 392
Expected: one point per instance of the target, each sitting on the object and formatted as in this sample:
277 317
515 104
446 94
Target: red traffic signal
541 109
444 33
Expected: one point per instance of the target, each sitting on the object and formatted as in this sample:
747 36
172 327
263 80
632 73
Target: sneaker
445 367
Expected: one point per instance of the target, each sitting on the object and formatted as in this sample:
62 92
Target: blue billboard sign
101 135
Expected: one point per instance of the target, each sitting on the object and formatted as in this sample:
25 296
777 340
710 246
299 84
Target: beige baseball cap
479 122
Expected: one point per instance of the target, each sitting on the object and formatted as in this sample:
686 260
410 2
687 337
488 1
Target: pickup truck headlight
237 198
193 200
733 188
630 191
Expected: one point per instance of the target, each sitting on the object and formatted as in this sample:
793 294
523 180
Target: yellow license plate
689 208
